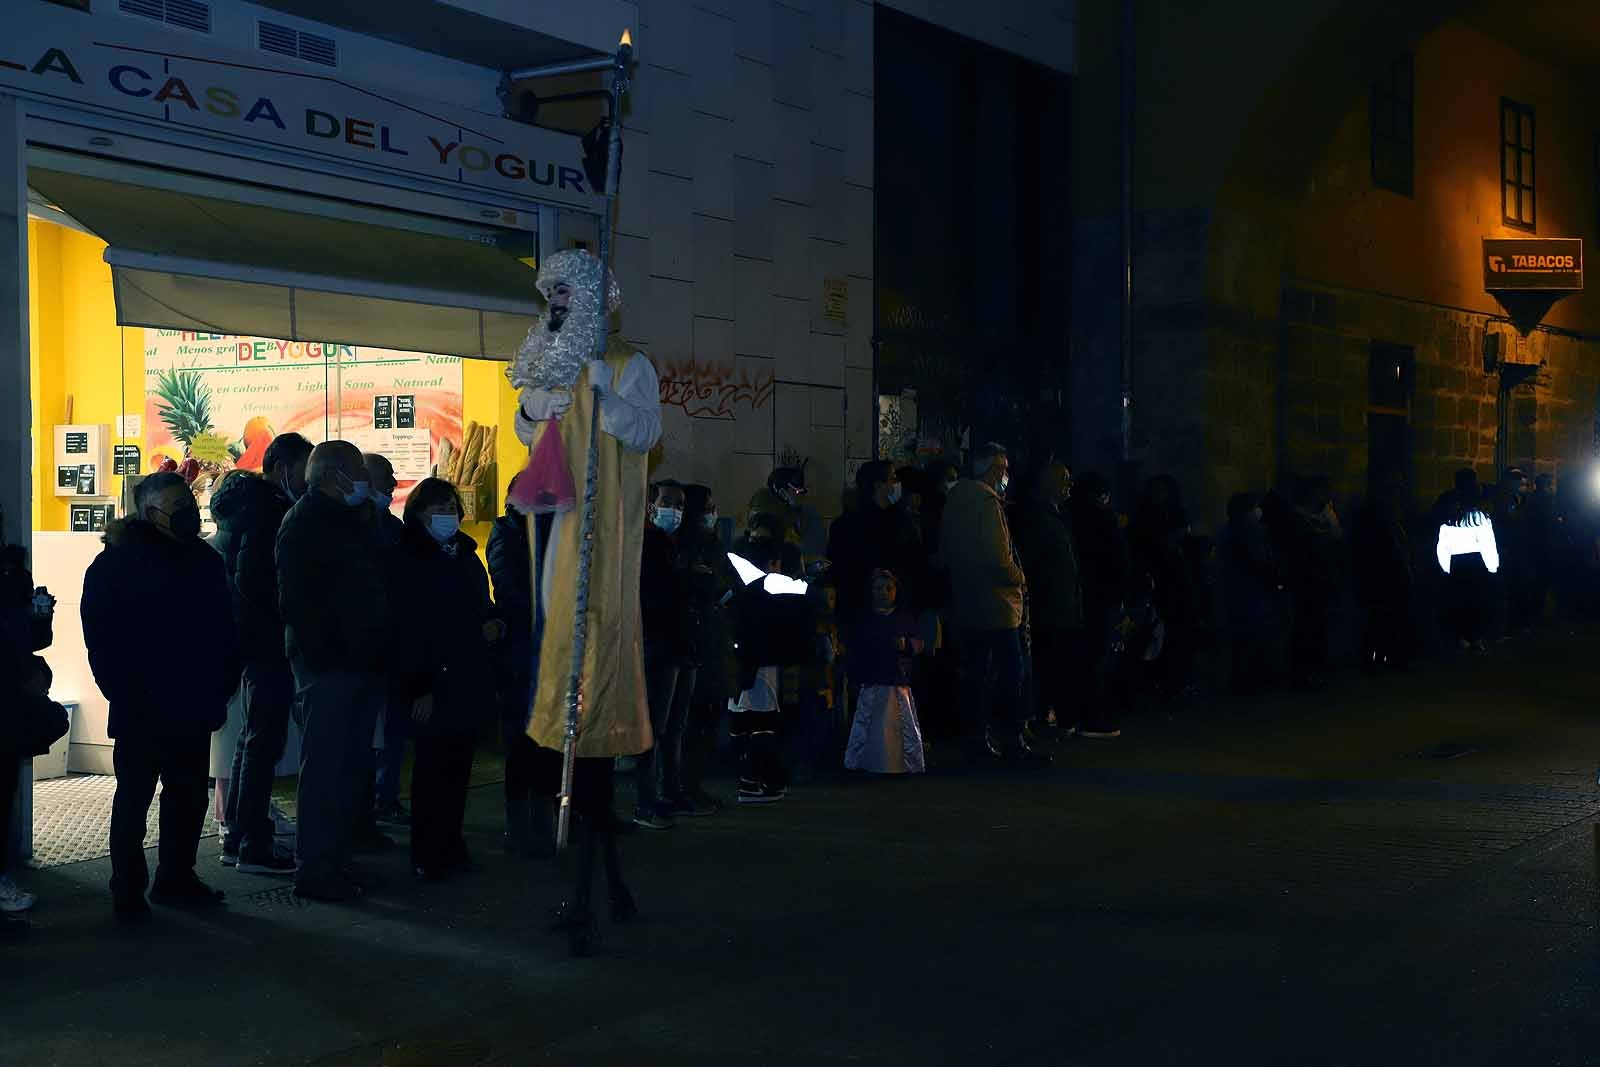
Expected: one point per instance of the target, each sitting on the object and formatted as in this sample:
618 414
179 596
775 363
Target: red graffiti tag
712 390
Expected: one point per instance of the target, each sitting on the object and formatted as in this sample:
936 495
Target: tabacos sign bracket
1527 275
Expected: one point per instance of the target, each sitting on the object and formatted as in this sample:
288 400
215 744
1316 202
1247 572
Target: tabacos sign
1543 264
51 57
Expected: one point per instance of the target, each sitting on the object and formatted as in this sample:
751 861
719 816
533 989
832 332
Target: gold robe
615 715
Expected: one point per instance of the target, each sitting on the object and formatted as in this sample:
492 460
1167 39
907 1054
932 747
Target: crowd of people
1003 612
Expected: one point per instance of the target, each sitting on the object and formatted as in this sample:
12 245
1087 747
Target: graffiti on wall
712 390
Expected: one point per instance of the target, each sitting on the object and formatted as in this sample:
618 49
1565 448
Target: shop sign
67 58
835 299
1544 264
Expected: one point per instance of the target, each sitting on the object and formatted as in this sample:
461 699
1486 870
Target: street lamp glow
627 39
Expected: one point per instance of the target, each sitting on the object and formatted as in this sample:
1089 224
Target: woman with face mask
445 670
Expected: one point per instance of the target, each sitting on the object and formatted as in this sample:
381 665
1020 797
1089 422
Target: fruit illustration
184 403
254 441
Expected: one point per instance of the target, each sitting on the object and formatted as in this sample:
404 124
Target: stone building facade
1278 263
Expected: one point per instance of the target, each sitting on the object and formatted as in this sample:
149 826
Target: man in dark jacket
249 511
668 647
511 566
335 606
878 535
1049 558
388 760
156 565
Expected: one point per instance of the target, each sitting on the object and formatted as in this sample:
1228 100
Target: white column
16 429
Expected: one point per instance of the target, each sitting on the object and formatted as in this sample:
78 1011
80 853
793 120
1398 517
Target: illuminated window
1392 128
1516 165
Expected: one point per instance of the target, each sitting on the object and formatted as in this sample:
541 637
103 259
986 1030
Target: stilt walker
590 413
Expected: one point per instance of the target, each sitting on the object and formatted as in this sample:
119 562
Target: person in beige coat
987 586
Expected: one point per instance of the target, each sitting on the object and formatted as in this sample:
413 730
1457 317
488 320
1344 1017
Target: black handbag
43 723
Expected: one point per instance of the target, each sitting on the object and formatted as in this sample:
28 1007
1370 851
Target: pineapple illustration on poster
214 402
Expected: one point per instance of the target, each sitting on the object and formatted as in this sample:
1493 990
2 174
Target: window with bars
1517 202
1392 132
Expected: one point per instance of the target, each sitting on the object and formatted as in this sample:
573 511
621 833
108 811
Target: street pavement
1399 870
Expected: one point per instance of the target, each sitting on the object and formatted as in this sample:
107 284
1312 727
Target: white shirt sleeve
1444 550
631 411
1487 547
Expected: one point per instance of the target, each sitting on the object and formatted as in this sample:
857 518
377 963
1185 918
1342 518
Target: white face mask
949 485
443 527
709 520
1005 483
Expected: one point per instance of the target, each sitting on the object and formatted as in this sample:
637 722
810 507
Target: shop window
1392 131
1517 208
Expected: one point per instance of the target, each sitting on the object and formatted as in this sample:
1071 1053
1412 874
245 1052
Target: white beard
553 360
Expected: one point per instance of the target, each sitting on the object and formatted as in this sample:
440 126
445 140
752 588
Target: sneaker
750 793
649 820
230 852
1105 734
394 814
13 898
277 861
706 800
691 807
282 825
185 891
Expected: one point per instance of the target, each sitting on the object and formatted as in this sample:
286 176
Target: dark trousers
181 763
669 683
398 730
1054 687
1468 593
991 683
1309 633
10 769
268 690
439 800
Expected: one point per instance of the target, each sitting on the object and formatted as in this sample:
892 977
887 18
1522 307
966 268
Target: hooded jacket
331 586
144 578
248 510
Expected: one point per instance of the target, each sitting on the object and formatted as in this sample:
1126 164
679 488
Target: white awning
185 261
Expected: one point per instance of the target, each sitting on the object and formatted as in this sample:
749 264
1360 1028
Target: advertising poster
214 402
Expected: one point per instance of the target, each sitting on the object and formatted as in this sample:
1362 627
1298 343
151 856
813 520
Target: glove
600 377
541 404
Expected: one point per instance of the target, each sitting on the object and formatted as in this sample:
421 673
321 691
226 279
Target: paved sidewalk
1301 881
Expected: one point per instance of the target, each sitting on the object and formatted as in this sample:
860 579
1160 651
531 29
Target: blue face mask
357 492
443 527
383 500
895 492
667 519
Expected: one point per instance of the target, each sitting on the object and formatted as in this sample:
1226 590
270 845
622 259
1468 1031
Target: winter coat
1050 560
1250 579
248 510
985 580
145 579
664 594
331 587
872 538
1103 563
440 649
